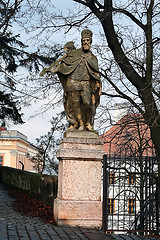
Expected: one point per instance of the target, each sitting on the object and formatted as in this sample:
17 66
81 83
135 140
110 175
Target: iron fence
130 195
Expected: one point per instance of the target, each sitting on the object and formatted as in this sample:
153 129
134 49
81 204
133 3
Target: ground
31 206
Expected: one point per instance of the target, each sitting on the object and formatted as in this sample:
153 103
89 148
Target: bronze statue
78 72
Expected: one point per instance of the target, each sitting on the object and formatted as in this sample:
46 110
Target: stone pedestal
79 181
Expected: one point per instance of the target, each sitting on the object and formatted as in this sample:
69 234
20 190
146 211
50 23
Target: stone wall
42 187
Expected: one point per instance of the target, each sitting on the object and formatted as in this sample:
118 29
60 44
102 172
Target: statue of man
80 78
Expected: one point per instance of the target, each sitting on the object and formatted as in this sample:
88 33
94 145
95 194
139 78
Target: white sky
34 127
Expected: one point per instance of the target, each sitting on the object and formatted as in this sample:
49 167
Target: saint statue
79 74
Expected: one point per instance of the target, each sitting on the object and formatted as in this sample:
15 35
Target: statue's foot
81 128
76 125
89 127
71 127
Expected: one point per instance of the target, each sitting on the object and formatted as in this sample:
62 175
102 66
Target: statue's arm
54 68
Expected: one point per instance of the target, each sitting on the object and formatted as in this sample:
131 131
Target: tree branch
149 44
133 18
111 95
122 95
116 48
10 12
81 2
99 5
156 93
94 9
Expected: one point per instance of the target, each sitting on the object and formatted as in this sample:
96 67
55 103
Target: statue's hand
48 70
51 69
97 86
54 69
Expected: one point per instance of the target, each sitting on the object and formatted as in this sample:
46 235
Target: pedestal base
78 213
79 180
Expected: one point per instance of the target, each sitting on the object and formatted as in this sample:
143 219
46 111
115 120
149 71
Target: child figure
55 66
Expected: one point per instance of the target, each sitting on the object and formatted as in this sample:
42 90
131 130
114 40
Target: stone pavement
16 226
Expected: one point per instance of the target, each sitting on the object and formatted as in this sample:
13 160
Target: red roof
129 135
2 129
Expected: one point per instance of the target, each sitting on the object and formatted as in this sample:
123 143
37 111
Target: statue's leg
86 99
68 109
76 104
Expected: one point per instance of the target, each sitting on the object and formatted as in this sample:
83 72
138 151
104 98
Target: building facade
130 177
129 136
16 151
131 194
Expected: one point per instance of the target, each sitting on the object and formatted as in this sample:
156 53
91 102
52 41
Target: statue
79 75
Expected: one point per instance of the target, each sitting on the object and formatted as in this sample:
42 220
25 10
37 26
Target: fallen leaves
29 206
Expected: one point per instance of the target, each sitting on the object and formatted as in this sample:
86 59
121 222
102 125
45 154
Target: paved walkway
15 226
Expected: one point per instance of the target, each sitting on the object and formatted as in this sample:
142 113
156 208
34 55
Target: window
154 179
131 205
132 178
111 205
111 177
154 206
110 232
1 160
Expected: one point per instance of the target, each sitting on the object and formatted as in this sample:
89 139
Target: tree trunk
142 84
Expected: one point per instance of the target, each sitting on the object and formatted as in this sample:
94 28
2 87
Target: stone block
80 180
78 213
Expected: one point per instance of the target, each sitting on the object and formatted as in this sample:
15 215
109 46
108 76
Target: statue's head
86 39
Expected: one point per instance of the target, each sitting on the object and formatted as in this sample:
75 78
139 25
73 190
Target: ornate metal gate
130 195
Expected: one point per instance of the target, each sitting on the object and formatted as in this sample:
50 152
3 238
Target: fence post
157 205
146 193
105 194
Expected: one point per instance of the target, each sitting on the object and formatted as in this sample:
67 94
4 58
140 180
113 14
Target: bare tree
129 48
45 160
15 55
